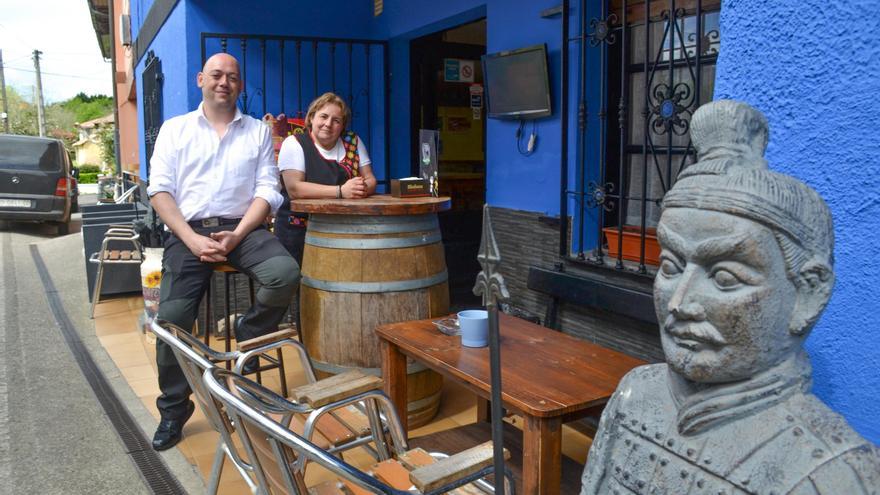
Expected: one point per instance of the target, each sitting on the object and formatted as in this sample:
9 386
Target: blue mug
474 325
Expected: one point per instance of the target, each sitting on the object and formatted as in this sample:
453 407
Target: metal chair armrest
269 338
263 349
385 411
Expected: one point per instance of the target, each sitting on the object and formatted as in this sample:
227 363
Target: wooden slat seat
338 428
335 388
398 473
122 255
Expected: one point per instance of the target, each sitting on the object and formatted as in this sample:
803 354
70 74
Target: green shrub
88 178
89 169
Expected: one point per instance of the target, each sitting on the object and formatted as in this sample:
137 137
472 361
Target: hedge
88 178
89 169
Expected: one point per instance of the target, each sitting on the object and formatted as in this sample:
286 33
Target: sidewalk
128 357
55 437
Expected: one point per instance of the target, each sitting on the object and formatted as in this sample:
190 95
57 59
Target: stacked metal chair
121 246
279 454
338 412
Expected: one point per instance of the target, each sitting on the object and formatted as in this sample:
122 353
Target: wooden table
548 378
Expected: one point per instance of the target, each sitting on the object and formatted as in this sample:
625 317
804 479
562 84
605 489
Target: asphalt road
55 437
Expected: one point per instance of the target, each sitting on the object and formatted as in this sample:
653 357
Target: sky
62 29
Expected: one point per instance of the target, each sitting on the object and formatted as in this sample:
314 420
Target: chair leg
282 373
216 470
209 312
230 325
99 279
377 430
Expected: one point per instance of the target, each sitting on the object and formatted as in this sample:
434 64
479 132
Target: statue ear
814 285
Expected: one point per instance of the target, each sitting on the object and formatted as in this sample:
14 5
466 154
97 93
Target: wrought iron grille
283 74
152 81
655 64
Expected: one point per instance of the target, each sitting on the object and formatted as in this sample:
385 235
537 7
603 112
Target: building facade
624 77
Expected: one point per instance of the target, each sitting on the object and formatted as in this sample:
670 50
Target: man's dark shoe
170 431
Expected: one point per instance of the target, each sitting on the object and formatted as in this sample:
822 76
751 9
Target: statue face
721 295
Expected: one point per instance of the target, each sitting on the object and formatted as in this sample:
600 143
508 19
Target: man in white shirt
213 181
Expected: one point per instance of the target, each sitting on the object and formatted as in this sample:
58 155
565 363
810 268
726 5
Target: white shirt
209 176
291 156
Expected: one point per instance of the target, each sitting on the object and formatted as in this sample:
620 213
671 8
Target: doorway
446 75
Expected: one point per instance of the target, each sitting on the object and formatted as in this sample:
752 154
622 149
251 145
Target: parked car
37 182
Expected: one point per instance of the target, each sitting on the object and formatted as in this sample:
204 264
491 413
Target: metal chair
327 419
111 254
279 454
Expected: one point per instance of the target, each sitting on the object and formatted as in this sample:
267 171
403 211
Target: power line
17 37
56 74
19 59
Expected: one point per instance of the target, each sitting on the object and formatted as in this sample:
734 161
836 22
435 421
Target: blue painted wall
816 78
515 181
175 86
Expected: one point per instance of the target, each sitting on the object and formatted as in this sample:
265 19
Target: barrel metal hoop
376 287
427 401
337 369
379 243
353 224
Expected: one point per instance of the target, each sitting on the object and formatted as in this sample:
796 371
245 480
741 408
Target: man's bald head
220 59
220 82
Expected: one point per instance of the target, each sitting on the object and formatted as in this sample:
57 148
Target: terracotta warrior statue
747 268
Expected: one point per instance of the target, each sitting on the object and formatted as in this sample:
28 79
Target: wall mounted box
409 188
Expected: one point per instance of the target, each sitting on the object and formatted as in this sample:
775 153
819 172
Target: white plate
15 203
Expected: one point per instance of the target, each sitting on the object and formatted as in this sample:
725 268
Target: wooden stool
212 323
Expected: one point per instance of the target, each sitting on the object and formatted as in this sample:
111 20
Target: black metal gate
152 82
283 74
655 64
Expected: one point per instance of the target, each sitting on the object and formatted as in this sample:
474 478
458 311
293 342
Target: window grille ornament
603 30
672 104
598 195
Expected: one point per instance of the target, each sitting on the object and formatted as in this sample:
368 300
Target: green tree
22 114
23 118
86 107
107 138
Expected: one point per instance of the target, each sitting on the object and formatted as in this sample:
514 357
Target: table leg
484 410
394 373
542 455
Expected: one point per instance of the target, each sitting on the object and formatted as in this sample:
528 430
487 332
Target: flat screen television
517 84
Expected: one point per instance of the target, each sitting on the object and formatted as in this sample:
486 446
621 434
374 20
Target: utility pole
4 115
41 119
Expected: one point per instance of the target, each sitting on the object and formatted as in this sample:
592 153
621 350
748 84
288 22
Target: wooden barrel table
366 263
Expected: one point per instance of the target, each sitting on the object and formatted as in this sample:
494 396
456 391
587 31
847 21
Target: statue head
747 254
